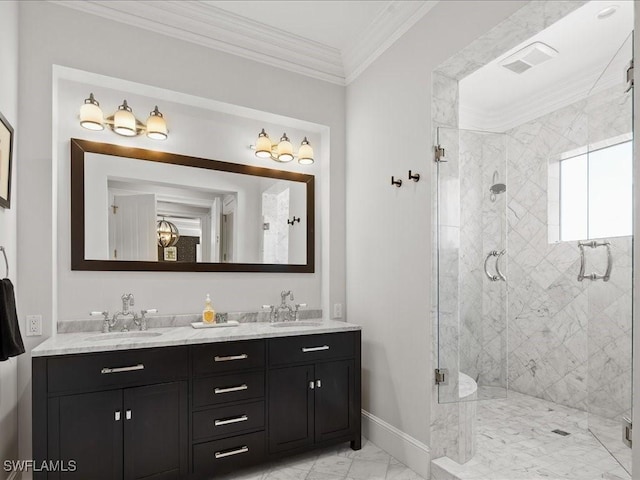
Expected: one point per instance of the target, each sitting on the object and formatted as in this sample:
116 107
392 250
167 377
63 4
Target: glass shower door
607 256
471 265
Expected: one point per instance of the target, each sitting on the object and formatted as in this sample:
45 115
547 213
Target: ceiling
333 40
591 52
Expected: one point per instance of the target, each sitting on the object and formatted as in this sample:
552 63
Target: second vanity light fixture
282 151
123 121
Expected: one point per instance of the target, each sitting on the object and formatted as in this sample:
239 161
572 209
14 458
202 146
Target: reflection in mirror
139 210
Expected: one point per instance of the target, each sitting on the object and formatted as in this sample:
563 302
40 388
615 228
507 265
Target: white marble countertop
86 342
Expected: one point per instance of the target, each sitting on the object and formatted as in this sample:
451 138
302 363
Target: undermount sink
299 323
123 335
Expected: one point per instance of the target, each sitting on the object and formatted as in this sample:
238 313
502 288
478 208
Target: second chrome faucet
284 312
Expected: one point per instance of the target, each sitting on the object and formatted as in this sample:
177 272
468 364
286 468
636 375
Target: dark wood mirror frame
78 261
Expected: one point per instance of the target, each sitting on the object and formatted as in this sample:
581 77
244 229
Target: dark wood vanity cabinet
316 400
195 411
115 415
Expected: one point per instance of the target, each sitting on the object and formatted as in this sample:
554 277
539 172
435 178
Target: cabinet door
155 431
290 400
335 400
87 429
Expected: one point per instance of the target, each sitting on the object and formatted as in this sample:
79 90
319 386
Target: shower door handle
583 262
499 275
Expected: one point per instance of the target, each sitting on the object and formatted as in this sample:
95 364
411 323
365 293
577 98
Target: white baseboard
408 450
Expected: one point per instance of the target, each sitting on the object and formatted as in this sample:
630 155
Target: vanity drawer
228 454
85 372
311 348
228 357
228 388
226 421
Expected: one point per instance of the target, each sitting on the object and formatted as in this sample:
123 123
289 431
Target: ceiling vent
528 57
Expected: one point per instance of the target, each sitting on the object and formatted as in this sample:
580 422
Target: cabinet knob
117 415
319 383
128 415
312 385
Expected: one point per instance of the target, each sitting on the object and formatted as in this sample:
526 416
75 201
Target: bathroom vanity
193 404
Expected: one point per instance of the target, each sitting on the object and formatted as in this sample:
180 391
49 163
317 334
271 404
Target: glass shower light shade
156 125
285 149
91 116
263 145
124 123
168 234
305 154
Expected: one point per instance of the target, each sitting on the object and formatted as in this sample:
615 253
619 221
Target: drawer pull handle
231 357
122 369
239 388
241 418
315 349
229 453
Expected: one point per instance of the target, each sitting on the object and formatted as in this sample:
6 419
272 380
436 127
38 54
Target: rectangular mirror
143 210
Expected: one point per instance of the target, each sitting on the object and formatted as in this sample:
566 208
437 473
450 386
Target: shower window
596 193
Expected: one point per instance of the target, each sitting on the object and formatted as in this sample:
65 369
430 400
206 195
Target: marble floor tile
332 463
516 442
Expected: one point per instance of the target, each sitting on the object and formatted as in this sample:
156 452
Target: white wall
8 222
388 228
54 35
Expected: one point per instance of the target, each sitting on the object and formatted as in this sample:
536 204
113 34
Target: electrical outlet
34 325
337 310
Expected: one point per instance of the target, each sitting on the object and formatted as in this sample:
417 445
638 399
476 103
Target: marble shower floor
515 442
334 463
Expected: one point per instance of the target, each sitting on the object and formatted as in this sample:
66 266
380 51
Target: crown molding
538 105
387 27
205 24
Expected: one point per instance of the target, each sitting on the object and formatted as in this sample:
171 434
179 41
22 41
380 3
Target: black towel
10 338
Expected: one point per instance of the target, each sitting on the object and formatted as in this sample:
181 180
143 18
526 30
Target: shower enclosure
534 259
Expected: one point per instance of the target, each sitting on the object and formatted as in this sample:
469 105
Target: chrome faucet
284 309
128 301
283 312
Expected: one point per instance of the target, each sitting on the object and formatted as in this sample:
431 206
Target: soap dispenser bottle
208 314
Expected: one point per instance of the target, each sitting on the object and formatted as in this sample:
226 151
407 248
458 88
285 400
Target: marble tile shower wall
483 229
447 432
569 341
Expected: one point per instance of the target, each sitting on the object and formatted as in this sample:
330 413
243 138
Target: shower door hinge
629 76
442 376
440 154
627 431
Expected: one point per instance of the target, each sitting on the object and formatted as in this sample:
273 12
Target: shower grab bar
499 276
593 275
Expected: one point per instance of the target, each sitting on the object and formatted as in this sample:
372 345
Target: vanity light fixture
123 121
282 151
168 234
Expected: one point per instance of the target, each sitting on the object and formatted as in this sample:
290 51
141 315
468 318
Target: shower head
498 188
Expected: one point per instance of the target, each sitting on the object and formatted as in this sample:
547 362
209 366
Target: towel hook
6 262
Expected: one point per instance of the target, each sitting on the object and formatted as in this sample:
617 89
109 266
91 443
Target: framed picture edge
4 123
